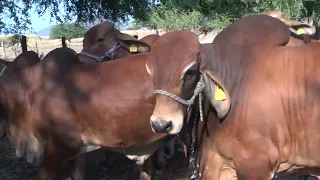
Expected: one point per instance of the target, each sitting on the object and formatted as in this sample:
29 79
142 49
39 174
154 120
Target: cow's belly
138 153
140 149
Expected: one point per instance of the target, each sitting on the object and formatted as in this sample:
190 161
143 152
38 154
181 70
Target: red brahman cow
296 27
24 60
97 45
27 60
261 101
61 108
301 32
103 43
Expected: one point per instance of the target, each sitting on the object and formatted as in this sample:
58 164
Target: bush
173 19
69 31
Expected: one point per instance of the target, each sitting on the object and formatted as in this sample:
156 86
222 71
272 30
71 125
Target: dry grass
43 45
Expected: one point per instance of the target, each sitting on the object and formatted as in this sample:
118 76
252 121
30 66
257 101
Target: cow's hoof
144 176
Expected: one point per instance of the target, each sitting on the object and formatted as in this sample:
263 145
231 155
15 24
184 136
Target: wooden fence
43 45
39 45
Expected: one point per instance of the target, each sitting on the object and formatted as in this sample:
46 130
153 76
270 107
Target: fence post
63 40
24 43
37 50
3 50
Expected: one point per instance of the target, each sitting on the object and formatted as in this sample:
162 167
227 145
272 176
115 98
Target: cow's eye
100 40
191 72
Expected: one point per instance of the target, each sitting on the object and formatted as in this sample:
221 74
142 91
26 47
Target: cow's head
296 27
177 70
104 42
25 59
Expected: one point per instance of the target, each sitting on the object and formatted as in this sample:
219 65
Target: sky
39 22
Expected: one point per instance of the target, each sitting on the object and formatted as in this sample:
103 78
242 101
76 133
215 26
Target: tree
208 13
69 31
14 16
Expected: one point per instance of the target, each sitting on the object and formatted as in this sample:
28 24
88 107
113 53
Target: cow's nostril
167 126
161 126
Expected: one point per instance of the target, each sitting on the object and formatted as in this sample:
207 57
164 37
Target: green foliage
214 14
14 18
166 14
172 19
67 30
89 10
13 40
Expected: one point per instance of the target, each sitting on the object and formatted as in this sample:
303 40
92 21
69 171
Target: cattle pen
13 168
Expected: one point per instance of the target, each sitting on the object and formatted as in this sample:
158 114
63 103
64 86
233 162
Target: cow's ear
216 93
135 46
302 29
132 44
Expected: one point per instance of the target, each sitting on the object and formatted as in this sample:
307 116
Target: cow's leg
111 158
256 163
211 164
158 159
169 148
144 176
148 167
55 155
79 169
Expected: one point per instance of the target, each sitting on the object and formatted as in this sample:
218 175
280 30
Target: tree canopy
67 30
165 14
213 14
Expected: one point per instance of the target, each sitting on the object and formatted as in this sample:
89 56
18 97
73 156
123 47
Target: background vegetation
202 15
69 31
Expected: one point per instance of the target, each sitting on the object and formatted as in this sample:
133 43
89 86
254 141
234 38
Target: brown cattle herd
246 106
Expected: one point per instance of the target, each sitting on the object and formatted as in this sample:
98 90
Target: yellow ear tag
220 95
133 48
300 31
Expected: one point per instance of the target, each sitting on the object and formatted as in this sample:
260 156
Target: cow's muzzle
161 126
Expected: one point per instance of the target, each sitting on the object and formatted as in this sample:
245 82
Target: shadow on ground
13 168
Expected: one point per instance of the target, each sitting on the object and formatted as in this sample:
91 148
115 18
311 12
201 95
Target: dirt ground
13 168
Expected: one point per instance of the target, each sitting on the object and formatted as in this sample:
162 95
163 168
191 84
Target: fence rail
41 46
